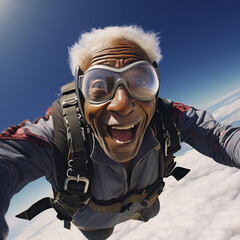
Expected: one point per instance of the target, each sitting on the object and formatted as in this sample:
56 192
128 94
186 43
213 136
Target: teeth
122 128
121 141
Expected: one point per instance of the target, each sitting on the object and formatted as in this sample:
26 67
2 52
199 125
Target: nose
122 102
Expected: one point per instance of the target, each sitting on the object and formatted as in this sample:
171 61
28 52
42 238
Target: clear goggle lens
100 82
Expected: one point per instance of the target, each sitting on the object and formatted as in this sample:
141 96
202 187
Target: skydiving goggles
100 82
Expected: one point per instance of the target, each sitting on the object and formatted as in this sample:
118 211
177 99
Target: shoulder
177 109
39 132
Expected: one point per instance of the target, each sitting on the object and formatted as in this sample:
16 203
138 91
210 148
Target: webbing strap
68 205
163 111
145 197
36 208
60 143
77 180
119 207
169 138
69 105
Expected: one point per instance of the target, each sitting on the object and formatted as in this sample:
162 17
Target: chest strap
144 196
67 206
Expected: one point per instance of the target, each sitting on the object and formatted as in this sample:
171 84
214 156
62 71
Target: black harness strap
76 183
77 180
60 143
168 135
36 208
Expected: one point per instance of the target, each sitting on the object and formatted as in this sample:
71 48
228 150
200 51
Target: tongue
121 135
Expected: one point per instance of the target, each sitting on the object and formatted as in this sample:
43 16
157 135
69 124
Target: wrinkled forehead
116 53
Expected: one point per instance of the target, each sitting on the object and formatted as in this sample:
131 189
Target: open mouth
122 134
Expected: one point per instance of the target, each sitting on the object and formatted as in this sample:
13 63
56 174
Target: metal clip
77 178
70 164
167 142
83 134
69 136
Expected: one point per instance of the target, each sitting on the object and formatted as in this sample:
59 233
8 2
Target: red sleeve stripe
20 132
178 110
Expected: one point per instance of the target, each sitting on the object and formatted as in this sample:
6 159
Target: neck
127 165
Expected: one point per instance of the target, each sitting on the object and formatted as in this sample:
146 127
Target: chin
122 153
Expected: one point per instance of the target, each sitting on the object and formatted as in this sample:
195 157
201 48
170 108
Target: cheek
92 112
148 108
87 111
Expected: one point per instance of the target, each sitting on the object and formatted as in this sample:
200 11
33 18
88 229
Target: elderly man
114 172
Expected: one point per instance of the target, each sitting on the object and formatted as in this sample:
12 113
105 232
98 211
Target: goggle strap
78 72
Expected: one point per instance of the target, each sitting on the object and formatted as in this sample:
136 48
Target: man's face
119 124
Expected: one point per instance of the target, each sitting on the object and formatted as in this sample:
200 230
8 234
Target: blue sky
200 43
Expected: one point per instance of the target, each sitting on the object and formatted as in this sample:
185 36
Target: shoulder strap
168 135
75 137
170 129
69 138
60 142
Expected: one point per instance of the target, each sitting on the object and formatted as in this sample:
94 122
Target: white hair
148 41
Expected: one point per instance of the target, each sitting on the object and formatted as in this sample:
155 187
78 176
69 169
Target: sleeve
26 153
200 130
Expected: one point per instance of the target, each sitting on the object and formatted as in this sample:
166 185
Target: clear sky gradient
200 45
200 42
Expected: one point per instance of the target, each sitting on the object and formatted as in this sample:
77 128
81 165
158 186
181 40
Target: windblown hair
148 41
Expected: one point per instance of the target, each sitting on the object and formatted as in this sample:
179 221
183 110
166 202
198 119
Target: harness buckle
71 101
77 178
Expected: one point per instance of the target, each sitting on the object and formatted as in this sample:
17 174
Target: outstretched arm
26 153
200 130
